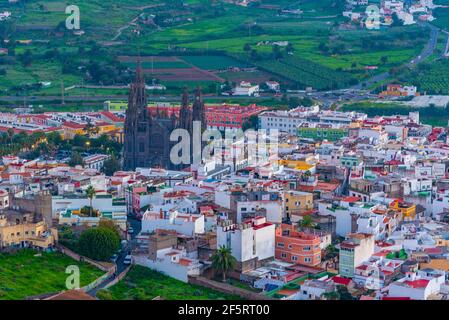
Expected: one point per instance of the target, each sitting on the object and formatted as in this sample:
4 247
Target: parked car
130 230
128 259
114 258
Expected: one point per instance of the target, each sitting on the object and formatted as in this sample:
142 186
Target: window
280 245
283 255
306 248
307 260
294 258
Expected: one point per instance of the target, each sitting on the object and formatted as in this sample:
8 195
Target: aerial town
183 174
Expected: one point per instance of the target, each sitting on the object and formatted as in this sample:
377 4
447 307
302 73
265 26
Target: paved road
137 226
445 53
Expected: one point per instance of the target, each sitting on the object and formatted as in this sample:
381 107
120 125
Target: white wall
188 228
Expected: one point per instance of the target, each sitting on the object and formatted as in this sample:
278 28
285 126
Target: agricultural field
441 15
27 273
431 78
145 284
213 63
195 43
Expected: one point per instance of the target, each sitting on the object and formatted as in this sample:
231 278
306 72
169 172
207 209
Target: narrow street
137 226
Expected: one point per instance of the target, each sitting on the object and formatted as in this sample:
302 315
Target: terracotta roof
420 283
341 280
72 295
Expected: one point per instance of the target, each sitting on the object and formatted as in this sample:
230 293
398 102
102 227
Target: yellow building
296 203
104 127
299 165
407 210
20 230
71 129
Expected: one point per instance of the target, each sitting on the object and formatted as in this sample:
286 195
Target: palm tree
90 192
10 133
223 260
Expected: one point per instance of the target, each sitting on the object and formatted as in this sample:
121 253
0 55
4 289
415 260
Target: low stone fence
227 288
102 266
108 268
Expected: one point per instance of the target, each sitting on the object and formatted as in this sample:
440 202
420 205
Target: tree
384 59
10 133
108 224
332 295
306 222
111 166
254 55
344 293
277 54
98 243
247 47
90 192
330 252
26 58
76 160
251 123
223 260
91 130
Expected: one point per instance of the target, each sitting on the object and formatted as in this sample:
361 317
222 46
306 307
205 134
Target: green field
441 15
145 284
430 78
24 274
327 54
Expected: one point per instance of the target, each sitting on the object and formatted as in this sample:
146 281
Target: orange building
297 247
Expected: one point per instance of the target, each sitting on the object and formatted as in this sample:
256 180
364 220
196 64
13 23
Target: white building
250 242
172 262
273 210
418 286
246 89
73 202
95 161
184 223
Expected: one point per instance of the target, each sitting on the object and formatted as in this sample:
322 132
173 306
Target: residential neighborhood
281 151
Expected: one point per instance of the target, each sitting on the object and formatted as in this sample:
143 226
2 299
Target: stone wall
227 288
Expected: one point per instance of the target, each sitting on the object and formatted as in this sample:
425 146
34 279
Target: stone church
147 138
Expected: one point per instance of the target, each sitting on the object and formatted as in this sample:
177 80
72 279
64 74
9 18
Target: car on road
114 258
128 260
130 230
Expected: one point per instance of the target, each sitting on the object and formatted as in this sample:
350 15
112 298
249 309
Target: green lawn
145 284
24 274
